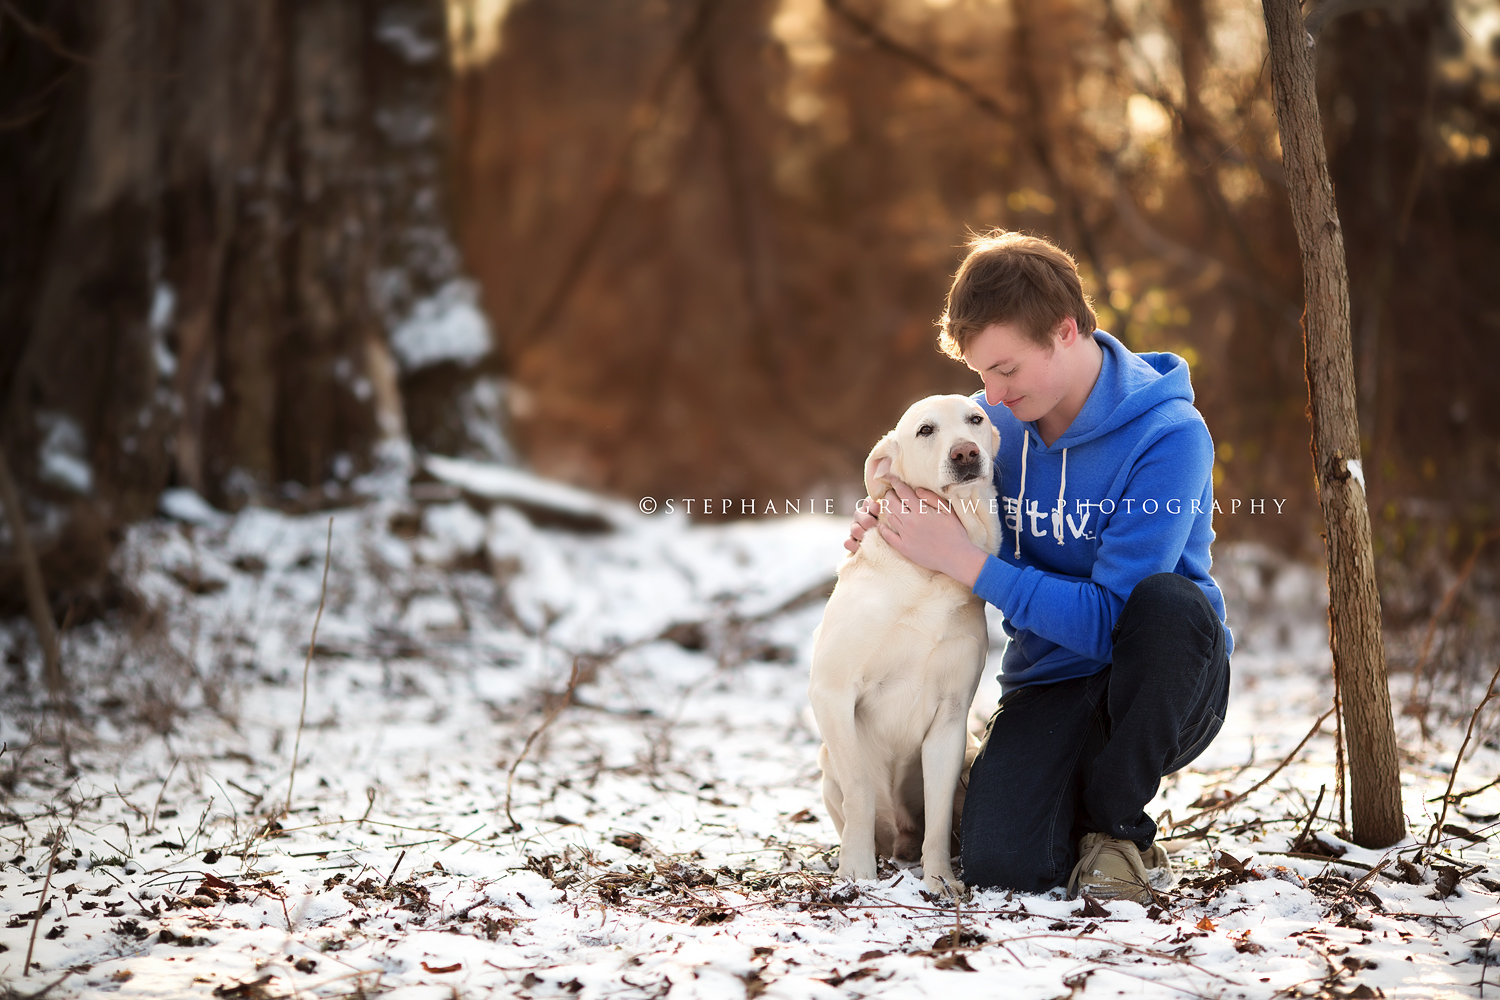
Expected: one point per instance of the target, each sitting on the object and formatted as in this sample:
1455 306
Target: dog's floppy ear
878 466
995 445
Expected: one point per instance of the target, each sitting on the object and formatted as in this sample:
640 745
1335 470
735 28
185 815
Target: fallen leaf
252 990
1206 925
802 816
629 841
442 969
1091 908
953 962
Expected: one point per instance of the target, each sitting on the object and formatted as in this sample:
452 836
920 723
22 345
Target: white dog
899 654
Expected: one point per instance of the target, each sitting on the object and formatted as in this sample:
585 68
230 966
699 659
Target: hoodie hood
1124 493
1129 384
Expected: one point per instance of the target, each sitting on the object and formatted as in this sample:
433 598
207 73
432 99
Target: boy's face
1030 380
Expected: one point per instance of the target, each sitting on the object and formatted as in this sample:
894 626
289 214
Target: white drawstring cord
1021 500
1061 511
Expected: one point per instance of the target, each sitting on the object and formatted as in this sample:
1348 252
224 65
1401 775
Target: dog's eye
924 431
976 419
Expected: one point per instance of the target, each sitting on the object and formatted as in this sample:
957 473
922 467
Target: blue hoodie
1132 477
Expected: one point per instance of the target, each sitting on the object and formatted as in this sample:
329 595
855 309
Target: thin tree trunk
1354 602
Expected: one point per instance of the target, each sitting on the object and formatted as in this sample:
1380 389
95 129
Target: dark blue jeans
1061 760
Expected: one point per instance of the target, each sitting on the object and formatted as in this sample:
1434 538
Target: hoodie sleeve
1079 614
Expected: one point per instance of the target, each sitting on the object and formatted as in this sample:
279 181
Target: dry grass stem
1489 692
307 668
1220 806
510 779
41 904
1414 706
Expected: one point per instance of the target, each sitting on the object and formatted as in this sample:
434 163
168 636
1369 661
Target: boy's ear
878 466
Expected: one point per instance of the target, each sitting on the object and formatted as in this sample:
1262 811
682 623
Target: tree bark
1354 602
220 215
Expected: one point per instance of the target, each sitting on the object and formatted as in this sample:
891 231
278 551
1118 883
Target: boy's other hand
863 522
921 528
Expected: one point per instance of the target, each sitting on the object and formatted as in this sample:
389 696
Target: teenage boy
1117 668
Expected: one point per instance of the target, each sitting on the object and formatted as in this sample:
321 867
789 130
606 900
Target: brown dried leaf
955 961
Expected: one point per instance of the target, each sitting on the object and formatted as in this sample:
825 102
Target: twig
1412 707
1323 859
399 858
307 668
151 826
36 591
1489 946
613 186
562 702
1469 794
44 35
1301 838
1489 693
132 806
41 904
878 38
1233 800
1365 878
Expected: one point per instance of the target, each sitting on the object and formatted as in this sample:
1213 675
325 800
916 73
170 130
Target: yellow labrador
899 654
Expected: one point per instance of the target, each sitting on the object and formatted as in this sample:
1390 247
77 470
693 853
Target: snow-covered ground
462 823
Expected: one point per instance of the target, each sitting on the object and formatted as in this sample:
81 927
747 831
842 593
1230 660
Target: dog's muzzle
965 462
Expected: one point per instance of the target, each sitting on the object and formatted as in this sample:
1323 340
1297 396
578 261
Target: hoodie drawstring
1062 487
1021 499
1061 511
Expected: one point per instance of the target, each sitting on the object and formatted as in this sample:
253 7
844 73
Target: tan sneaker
1115 869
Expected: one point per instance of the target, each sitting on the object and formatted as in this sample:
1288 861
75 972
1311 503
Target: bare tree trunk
216 231
1354 602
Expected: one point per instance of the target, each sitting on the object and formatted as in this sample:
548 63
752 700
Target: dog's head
940 442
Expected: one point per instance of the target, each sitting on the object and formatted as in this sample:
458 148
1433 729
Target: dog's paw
944 885
855 870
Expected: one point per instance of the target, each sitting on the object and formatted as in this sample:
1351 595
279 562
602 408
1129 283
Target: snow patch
450 531
502 483
187 506
61 460
447 326
403 36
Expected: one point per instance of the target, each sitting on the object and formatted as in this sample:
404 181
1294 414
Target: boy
1117 669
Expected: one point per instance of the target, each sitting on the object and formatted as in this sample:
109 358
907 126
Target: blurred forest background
271 249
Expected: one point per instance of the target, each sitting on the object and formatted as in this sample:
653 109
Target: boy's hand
863 522
919 525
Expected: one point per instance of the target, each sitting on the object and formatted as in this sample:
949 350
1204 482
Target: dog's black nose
964 453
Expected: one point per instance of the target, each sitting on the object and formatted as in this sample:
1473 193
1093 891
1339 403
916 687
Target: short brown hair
1013 278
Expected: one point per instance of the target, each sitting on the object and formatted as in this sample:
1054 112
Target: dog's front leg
835 714
942 764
